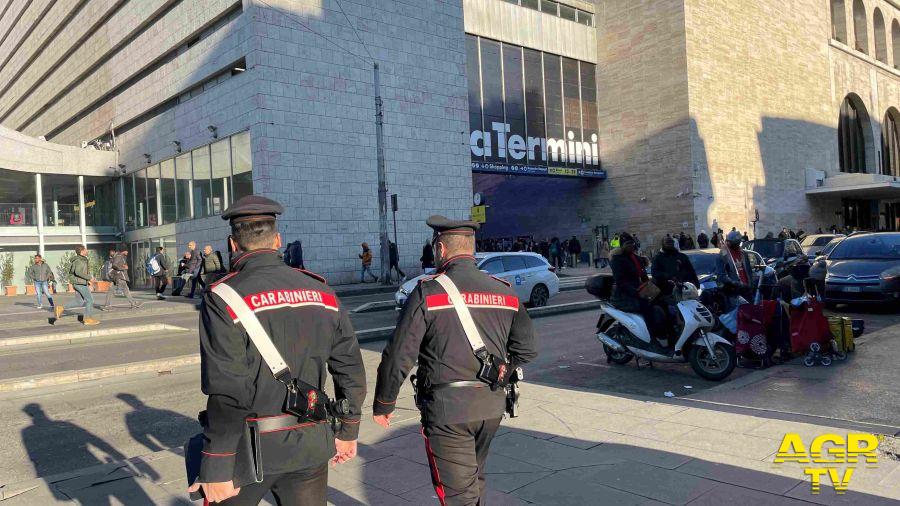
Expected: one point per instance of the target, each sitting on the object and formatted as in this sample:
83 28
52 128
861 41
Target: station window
202 190
585 18
852 139
838 21
101 201
18 199
567 12
860 28
549 6
167 199
532 4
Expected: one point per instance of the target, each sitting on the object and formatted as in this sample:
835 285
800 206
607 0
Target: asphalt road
63 428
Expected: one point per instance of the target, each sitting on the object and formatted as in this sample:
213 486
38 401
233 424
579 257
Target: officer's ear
233 244
276 244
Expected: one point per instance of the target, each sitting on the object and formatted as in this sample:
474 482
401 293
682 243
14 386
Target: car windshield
817 241
830 246
704 263
877 246
768 249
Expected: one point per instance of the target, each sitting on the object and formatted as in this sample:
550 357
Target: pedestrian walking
366 259
603 249
575 251
394 257
159 265
80 277
556 253
212 268
119 276
462 374
279 391
178 281
194 267
427 257
41 275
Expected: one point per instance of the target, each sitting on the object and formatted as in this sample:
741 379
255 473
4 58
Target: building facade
141 121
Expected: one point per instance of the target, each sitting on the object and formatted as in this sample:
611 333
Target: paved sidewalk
568 447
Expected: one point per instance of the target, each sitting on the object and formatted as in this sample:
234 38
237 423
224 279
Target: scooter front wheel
618 357
713 368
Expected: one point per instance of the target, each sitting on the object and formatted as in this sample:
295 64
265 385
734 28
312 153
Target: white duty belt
255 331
465 317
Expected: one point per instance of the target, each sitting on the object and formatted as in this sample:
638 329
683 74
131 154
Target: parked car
817 268
864 267
781 254
533 279
814 244
704 262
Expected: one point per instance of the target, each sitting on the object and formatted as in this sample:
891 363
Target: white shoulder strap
463 312
254 329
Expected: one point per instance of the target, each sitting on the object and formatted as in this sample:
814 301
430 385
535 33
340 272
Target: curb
77 376
167 364
67 338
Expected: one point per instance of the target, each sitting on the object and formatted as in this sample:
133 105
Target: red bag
809 325
752 340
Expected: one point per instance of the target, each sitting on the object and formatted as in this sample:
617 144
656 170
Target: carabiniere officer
460 412
312 331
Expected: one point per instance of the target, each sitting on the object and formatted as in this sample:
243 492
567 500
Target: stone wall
645 129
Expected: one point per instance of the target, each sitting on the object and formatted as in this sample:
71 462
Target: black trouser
457 454
194 280
160 283
299 488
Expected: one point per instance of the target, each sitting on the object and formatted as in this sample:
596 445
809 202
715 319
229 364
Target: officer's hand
346 450
216 492
383 420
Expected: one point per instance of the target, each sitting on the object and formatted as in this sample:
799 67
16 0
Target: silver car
534 280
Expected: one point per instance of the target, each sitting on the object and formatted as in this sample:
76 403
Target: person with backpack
158 269
119 277
293 255
212 266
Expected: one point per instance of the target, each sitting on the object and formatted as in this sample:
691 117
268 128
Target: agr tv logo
831 456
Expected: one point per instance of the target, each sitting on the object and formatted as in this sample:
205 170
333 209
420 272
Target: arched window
880 36
838 21
890 143
860 29
895 42
853 135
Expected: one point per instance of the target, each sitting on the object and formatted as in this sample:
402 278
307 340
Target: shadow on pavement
157 429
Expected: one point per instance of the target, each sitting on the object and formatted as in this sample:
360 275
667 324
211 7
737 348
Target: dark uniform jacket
311 330
430 330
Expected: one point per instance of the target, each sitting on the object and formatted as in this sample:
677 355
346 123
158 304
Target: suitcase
842 331
809 325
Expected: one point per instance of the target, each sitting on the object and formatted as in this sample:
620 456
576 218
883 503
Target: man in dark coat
241 387
702 240
671 266
461 411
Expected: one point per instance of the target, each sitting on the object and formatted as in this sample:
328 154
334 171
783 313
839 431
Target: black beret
252 208
443 225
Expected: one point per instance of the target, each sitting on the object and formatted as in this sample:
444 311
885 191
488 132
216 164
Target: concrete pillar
39 202
81 219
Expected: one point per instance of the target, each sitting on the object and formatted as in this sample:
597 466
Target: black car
863 268
781 254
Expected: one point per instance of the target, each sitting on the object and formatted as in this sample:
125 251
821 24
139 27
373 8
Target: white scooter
625 336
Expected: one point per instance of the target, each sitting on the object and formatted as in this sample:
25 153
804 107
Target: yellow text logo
830 456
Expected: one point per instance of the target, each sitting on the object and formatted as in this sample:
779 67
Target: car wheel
539 296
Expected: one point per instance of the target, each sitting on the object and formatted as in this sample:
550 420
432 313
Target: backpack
153 267
106 272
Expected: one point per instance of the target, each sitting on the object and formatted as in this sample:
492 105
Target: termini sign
530 112
534 154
